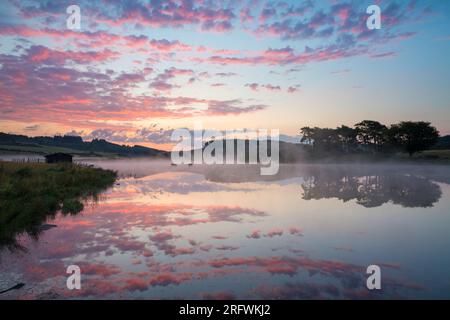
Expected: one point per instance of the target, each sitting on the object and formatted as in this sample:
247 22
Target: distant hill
74 145
12 143
443 143
288 152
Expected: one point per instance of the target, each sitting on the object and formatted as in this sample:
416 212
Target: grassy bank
32 192
424 157
433 155
44 150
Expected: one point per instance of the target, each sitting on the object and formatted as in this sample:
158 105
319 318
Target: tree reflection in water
371 185
373 189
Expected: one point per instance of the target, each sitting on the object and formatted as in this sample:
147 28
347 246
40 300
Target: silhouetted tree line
443 143
372 137
77 143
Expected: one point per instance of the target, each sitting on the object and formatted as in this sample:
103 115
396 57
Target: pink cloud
256 86
295 231
90 94
293 89
166 279
39 54
256 234
135 284
172 14
274 232
223 295
253 86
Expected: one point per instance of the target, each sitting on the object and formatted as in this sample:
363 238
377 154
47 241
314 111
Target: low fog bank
141 167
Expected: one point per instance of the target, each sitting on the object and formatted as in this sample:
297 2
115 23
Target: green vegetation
74 145
38 149
371 138
30 193
433 155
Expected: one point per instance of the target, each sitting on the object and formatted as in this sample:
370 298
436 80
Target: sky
137 70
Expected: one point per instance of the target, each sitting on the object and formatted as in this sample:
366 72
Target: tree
347 137
371 133
322 139
413 136
307 134
326 139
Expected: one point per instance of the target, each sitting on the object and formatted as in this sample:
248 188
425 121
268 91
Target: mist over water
197 232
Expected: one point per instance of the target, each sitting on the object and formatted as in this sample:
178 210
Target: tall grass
30 193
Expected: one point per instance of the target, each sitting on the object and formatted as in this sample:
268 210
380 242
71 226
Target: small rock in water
46 226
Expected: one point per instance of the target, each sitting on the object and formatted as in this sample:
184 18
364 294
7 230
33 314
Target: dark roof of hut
58 154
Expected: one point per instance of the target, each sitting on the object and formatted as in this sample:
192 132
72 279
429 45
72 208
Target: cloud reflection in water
195 235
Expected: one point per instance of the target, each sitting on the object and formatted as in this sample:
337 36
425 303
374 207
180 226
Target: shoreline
30 193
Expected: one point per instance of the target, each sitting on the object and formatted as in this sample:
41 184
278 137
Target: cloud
211 17
161 82
292 291
326 22
291 265
227 248
220 237
226 74
103 270
32 127
230 107
383 55
41 54
166 45
135 284
256 234
274 232
222 295
216 85
294 89
91 94
295 231
166 279
340 71
269 87
253 86
344 47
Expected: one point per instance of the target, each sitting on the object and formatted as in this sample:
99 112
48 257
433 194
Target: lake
224 232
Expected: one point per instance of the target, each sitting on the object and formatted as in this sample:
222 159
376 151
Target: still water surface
164 232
